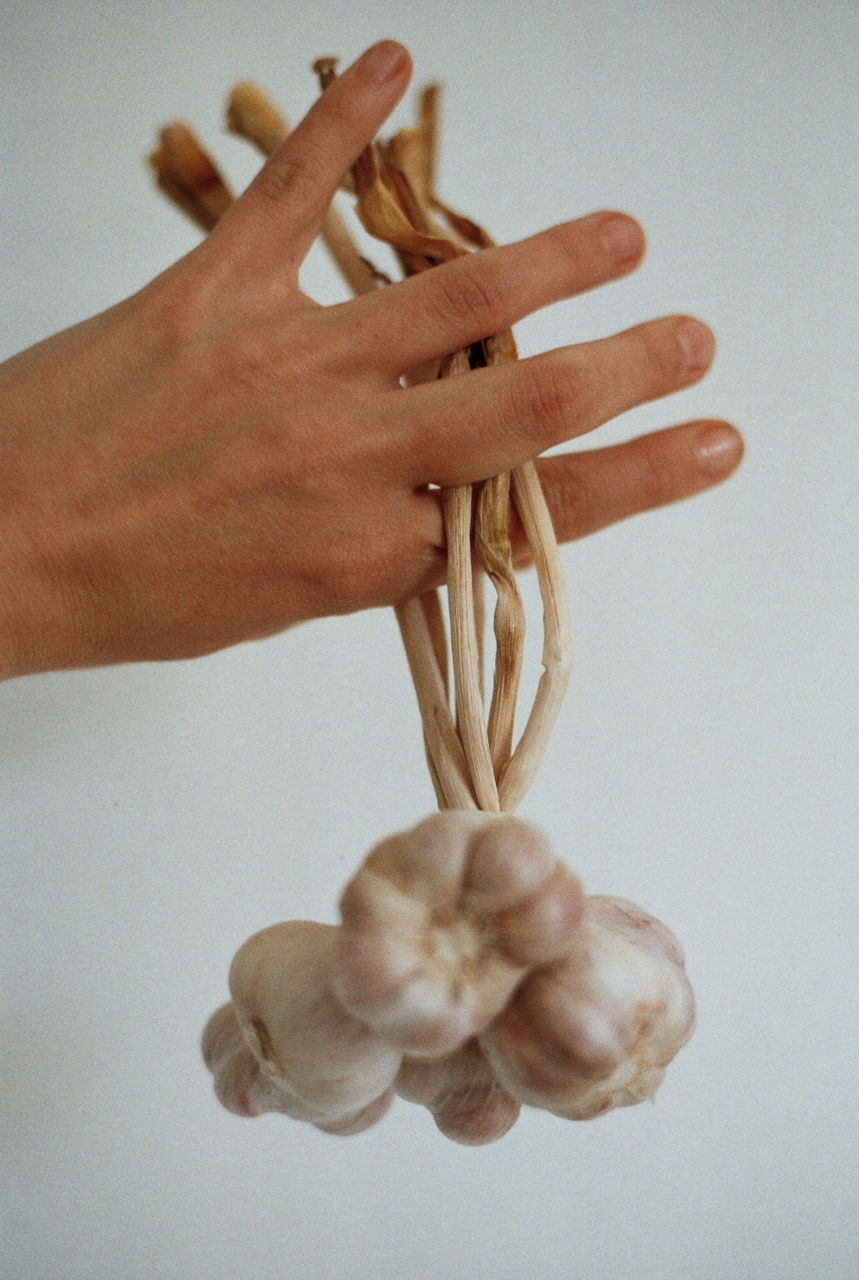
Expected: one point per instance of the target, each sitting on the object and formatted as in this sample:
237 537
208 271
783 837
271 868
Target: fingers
438 311
588 491
594 488
286 202
465 428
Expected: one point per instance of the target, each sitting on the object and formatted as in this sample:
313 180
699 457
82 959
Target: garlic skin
240 1086
461 1093
243 1088
324 1063
441 923
470 974
597 1029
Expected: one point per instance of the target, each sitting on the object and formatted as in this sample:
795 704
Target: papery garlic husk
323 1062
596 1030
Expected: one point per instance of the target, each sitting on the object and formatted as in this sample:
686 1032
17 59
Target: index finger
280 213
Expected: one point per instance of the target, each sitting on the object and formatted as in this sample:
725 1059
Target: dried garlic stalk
396 203
186 174
469 971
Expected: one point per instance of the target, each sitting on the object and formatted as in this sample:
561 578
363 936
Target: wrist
18 628
35 635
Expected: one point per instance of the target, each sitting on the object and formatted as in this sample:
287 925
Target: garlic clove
441 922
597 1029
462 1094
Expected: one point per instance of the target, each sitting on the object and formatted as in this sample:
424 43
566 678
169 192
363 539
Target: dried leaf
251 114
186 174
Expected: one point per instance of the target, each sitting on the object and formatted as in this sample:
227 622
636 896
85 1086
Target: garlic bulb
441 922
470 974
597 1029
322 1062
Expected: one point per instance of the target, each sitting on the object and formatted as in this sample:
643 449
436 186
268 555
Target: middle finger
460 302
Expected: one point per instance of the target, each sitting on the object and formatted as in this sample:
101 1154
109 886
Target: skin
218 457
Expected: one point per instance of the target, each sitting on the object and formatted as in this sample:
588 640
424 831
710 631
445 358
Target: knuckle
470 294
657 477
289 179
572 500
661 356
252 359
549 398
568 246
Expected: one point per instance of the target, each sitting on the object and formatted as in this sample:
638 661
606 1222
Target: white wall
152 817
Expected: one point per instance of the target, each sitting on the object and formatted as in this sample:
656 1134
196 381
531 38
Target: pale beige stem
557 639
450 766
518 773
466 672
252 115
492 543
431 605
478 580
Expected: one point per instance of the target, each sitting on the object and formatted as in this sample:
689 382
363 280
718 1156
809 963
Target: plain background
152 817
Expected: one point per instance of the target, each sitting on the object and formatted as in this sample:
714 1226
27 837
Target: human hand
219 457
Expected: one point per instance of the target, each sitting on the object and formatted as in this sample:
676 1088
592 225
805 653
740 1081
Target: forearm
29 621
51 459
32 617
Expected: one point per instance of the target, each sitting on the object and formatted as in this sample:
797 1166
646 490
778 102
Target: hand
219 457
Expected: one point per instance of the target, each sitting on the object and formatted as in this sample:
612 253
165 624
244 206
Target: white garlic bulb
471 974
597 1029
323 1062
441 922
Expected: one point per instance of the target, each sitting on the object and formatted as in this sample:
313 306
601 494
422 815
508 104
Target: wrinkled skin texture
471 974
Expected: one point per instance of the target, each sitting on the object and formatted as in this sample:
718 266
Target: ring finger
465 428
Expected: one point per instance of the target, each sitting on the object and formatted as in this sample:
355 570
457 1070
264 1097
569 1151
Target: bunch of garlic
470 973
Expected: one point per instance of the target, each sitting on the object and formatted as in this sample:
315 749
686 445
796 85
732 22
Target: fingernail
698 344
622 239
718 449
382 62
